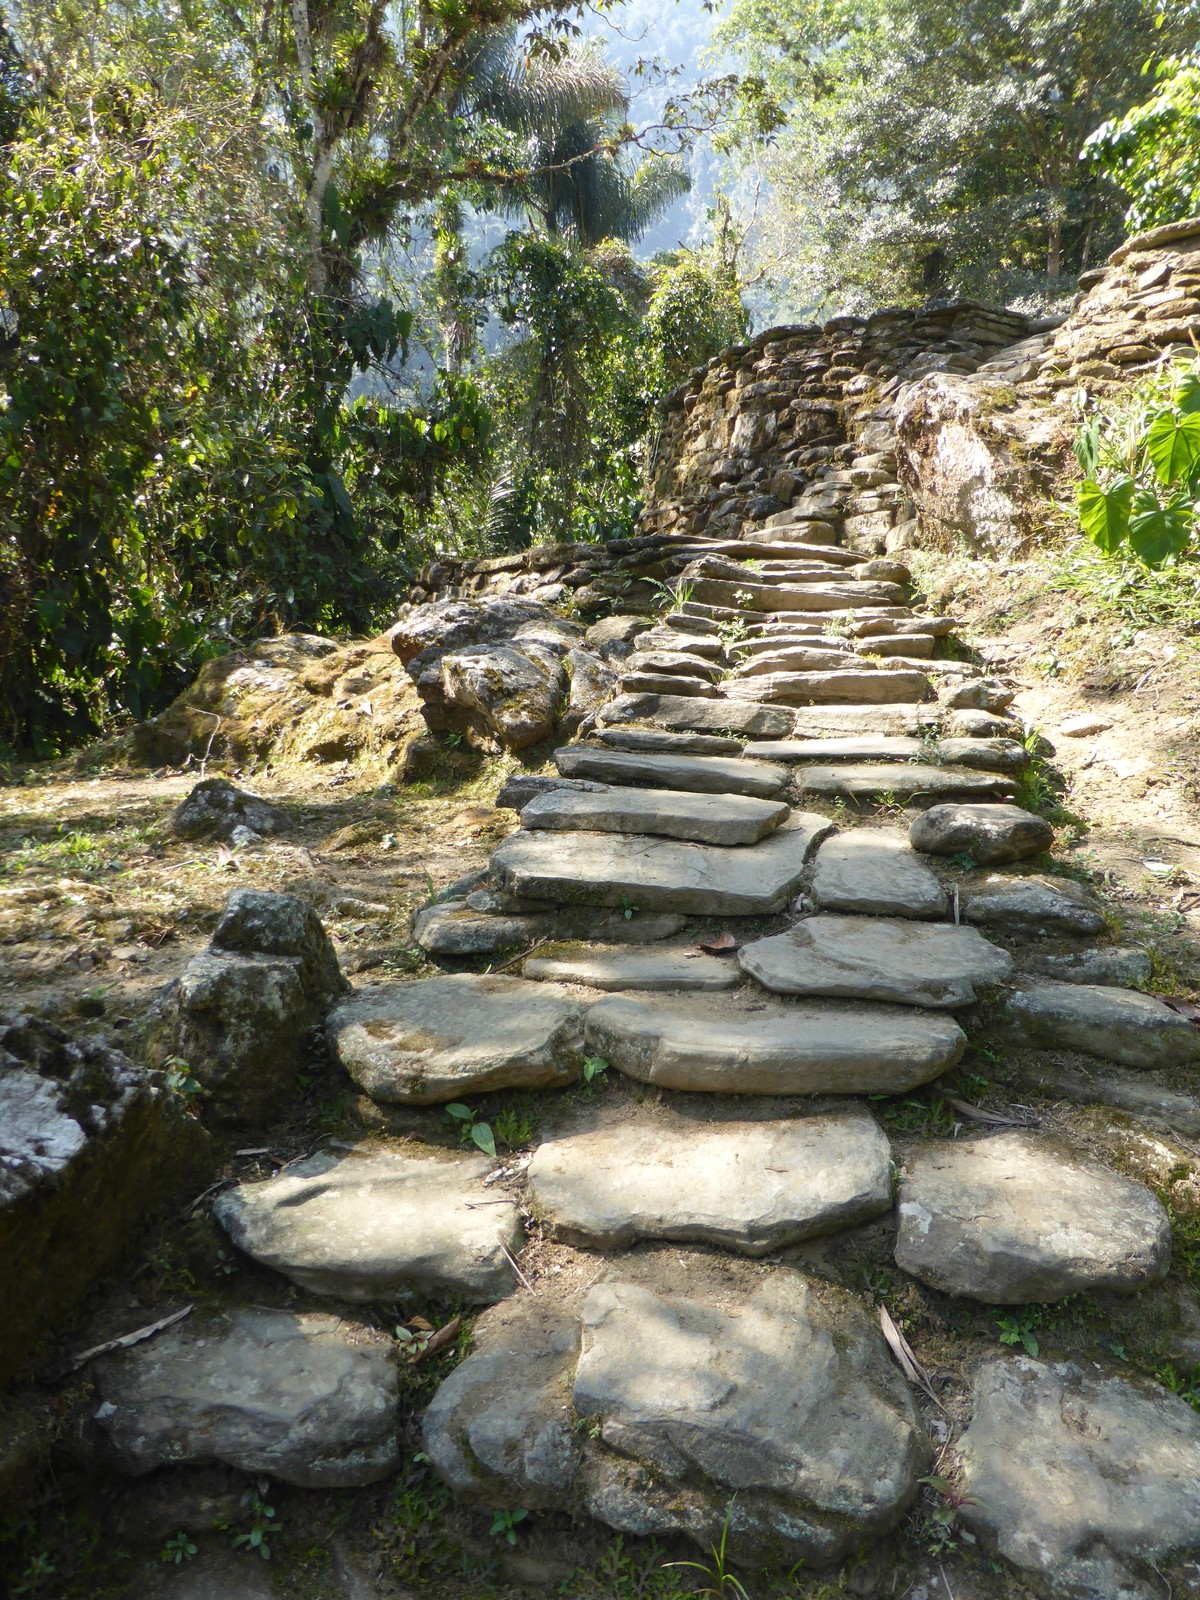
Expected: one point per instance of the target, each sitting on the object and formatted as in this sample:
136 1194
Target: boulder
1108 1487
989 755
1016 1218
241 1013
767 1402
877 958
1134 1030
591 683
378 1224
745 1186
1034 904
979 694
989 834
304 1397
92 1152
214 808
739 1044
442 1038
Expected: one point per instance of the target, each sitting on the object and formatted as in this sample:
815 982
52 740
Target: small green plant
262 1523
455 741
177 1550
471 1130
628 908
594 1067
670 596
941 1531
38 1570
504 1524
514 1128
720 1583
1018 1330
181 1080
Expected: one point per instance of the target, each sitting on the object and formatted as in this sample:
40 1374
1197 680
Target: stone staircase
791 762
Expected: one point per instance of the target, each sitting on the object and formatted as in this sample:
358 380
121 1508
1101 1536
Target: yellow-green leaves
1173 445
1104 513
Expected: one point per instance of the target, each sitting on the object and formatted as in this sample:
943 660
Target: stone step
812 530
1014 1218
377 1224
853 721
805 656
599 966
904 783
678 662
651 769
769 597
667 683
802 636
850 686
877 958
876 872
1035 904
1134 1030
739 1044
863 747
677 713
707 647
722 819
445 1038
771 573
908 646
632 870
741 1185
660 742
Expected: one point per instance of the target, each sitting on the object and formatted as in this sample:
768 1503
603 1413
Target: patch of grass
1141 597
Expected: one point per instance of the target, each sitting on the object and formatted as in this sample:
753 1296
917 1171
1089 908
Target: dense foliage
1153 151
935 148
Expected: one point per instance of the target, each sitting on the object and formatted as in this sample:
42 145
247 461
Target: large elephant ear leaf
1173 444
1187 396
1158 532
1104 513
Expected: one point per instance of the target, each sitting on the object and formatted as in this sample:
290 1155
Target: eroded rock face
441 1038
90 1153
377 1224
1013 1219
241 1013
307 1398
1085 1480
767 1399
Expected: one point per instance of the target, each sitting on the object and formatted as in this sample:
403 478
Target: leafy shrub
1141 467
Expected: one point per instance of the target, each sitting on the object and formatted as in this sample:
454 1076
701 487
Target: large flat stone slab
737 1044
678 712
877 958
852 747
660 874
714 1394
874 871
600 967
1033 904
989 834
305 1397
853 721
1086 1480
1016 1218
661 742
805 657
913 782
768 597
655 770
375 1224
849 686
728 819
443 1038
1134 1030
747 1186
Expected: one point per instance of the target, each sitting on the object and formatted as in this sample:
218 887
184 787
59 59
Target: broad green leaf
482 1136
1087 447
460 1113
1157 532
1104 513
1173 445
1187 396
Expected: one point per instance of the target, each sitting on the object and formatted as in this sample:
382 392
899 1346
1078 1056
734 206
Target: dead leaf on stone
723 945
1185 1008
905 1359
990 1119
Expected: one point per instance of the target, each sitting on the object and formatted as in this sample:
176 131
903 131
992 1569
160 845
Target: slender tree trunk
1054 249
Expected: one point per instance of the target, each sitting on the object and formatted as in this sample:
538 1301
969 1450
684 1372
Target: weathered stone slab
452 928
1014 1218
989 834
912 783
375 1224
672 683
853 721
855 686
660 874
874 871
765 597
1119 1025
660 771
877 958
912 646
737 1044
303 1397
667 744
989 755
677 661
716 1396
1033 904
981 694
632 968
722 819
1114 966
1108 1490
442 1038
747 1186
855 747
699 716
790 658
